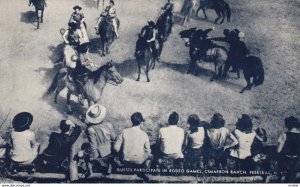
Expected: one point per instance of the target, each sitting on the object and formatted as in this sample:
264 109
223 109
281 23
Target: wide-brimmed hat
22 121
77 7
96 114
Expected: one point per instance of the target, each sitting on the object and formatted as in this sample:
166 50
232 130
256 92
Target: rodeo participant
149 33
109 11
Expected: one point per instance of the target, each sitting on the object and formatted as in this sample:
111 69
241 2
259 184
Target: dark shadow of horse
28 17
128 68
95 45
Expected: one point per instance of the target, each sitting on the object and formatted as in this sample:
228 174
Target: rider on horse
109 11
237 50
73 35
169 6
77 16
201 42
148 33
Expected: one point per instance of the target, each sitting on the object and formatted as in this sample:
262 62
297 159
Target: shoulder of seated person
90 130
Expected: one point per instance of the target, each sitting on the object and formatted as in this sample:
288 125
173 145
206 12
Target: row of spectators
203 144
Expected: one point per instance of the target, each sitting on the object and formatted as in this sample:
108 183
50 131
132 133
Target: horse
143 57
107 34
39 10
164 25
92 89
216 54
252 68
220 6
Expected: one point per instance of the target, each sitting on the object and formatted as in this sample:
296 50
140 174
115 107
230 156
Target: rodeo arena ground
132 91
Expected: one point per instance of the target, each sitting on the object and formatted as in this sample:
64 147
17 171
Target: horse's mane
95 75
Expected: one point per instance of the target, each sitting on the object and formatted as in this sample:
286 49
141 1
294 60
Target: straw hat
96 114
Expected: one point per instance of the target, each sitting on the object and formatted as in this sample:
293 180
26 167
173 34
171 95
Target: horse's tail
260 76
228 12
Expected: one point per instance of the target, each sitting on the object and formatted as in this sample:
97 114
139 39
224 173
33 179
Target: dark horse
143 57
220 6
93 87
164 25
253 68
107 34
39 10
215 54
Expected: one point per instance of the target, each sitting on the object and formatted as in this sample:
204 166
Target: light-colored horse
92 89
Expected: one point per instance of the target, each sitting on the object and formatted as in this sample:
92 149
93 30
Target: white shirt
24 146
218 137
135 145
196 140
244 144
171 139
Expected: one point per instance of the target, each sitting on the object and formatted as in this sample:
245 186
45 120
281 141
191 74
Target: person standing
187 10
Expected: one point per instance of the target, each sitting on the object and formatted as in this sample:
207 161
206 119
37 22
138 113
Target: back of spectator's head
173 118
137 118
193 120
64 126
217 121
244 124
291 122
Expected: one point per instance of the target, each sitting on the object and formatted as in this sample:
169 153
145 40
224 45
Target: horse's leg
215 73
204 12
148 69
139 71
42 16
223 16
37 18
219 16
248 86
68 103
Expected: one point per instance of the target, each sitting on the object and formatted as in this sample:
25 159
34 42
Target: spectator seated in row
195 143
55 158
133 146
289 149
24 147
101 136
171 142
218 137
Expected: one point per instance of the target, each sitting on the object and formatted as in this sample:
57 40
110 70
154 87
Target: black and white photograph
149 91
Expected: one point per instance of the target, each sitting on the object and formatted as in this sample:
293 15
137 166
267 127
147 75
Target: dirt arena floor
27 58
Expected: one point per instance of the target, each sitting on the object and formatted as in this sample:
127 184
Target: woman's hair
291 122
173 118
217 121
137 118
194 122
244 124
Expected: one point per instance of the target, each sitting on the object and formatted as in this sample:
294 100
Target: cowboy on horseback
110 12
77 16
73 35
201 42
148 33
169 6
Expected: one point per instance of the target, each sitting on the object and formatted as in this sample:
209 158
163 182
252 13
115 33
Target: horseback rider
169 6
109 11
148 33
201 42
73 35
77 16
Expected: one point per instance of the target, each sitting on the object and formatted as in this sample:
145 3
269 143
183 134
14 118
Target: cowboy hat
96 114
22 121
77 7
